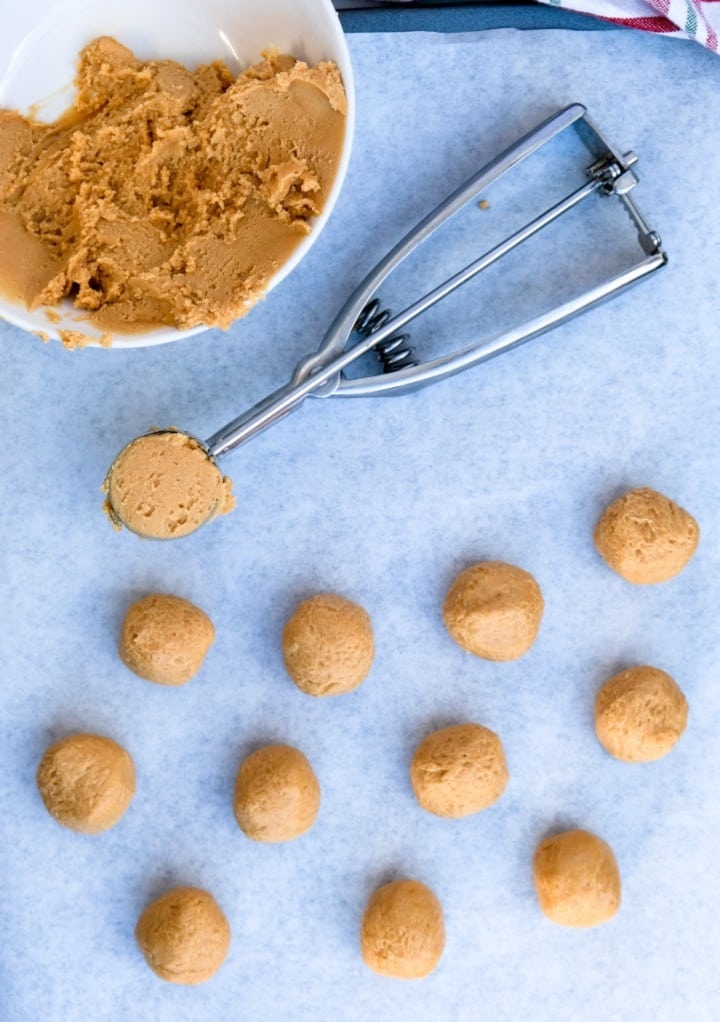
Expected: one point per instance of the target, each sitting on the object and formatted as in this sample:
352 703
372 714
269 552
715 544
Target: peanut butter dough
86 782
459 770
277 795
328 645
494 610
164 486
165 639
184 935
576 879
646 537
165 196
640 714
403 930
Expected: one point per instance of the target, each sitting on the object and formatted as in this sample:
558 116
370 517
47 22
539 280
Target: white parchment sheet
384 500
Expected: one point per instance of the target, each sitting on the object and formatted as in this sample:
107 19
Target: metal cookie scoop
171 493
164 485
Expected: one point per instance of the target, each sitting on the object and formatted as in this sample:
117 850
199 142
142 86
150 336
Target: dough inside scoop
165 485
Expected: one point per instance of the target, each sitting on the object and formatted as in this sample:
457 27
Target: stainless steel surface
321 374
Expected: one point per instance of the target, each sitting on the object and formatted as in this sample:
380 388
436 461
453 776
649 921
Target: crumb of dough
646 537
459 770
277 795
74 339
86 782
494 610
164 485
577 879
165 639
184 935
640 714
327 645
403 931
166 196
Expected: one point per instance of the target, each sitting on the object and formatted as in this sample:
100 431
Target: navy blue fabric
465 17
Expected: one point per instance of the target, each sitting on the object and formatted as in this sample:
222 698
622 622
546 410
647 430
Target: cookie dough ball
645 537
328 645
459 770
577 879
494 610
86 782
164 485
277 795
184 935
639 714
165 638
403 931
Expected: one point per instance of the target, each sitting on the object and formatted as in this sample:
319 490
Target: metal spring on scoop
395 352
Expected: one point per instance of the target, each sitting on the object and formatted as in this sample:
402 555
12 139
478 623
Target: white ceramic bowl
41 39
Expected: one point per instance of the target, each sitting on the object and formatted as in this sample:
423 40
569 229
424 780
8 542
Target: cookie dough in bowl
87 782
640 714
203 154
403 930
165 639
184 935
494 610
459 770
646 537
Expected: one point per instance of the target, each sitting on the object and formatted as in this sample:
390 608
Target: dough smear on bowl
164 486
166 196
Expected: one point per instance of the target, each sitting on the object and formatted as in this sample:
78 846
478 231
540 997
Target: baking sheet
385 500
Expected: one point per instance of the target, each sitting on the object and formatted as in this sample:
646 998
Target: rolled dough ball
459 770
165 639
403 931
577 879
328 645
639 714
184 935
494 610
646 537
277 795
86 782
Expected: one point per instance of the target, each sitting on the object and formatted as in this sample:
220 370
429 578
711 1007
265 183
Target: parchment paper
384 500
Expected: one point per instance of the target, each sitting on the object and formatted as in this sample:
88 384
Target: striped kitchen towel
689 19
